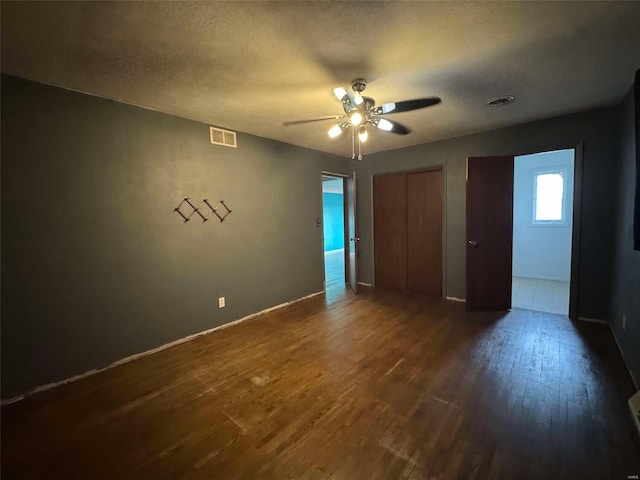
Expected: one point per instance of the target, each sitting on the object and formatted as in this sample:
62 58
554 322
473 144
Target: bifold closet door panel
424 232
390 231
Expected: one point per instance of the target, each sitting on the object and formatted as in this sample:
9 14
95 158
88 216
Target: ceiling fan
360 111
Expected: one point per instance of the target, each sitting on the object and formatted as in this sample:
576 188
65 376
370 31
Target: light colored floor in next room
334 269
541 295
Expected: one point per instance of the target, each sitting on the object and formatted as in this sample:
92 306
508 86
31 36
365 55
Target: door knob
473 243
355 239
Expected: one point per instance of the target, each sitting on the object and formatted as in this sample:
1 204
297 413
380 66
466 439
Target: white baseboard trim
456 299
364 284
146 353
633 379
593 320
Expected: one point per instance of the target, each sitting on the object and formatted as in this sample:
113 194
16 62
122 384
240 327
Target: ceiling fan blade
317 119
406 105
389 126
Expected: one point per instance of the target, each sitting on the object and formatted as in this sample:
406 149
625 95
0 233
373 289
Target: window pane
549 189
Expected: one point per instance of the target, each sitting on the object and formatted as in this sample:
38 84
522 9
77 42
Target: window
549 196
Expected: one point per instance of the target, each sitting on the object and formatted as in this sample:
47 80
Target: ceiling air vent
500 101
222 137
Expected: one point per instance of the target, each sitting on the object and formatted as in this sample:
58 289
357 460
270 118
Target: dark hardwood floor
380 385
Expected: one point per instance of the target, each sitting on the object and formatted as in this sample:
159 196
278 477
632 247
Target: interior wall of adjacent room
541 251
333 214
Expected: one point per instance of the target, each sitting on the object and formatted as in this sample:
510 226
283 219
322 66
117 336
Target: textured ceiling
249 66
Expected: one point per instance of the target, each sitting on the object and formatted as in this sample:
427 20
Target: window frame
535 173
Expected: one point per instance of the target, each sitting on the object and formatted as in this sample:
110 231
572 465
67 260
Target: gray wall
95 264
541 251
596 128
626 277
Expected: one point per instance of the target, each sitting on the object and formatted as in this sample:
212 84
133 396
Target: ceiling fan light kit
356 118
362 134
335 131
339 92
360 110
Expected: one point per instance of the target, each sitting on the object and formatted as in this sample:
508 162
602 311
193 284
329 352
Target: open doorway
333 221
542 231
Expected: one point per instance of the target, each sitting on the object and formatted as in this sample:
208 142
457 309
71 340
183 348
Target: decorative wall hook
196 209
177 209
217 207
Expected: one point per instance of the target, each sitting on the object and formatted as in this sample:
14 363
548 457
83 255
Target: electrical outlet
221 303
624 321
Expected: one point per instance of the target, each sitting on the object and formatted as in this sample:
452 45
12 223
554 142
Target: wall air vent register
222 137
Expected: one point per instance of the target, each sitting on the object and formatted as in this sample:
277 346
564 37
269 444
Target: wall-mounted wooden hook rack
217 207
178 209
197 209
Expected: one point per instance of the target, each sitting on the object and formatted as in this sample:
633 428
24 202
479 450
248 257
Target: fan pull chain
359 147
353 143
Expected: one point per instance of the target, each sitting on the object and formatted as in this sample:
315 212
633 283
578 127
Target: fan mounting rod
358 85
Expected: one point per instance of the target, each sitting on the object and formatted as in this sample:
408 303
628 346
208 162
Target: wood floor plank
380 385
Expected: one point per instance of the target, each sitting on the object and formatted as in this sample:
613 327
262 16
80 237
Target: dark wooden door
424 232
351 246
390 230
489 233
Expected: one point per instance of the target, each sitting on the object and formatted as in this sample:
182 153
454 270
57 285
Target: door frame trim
574 278
347 232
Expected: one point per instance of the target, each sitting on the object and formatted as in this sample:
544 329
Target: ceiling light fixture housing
500 101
